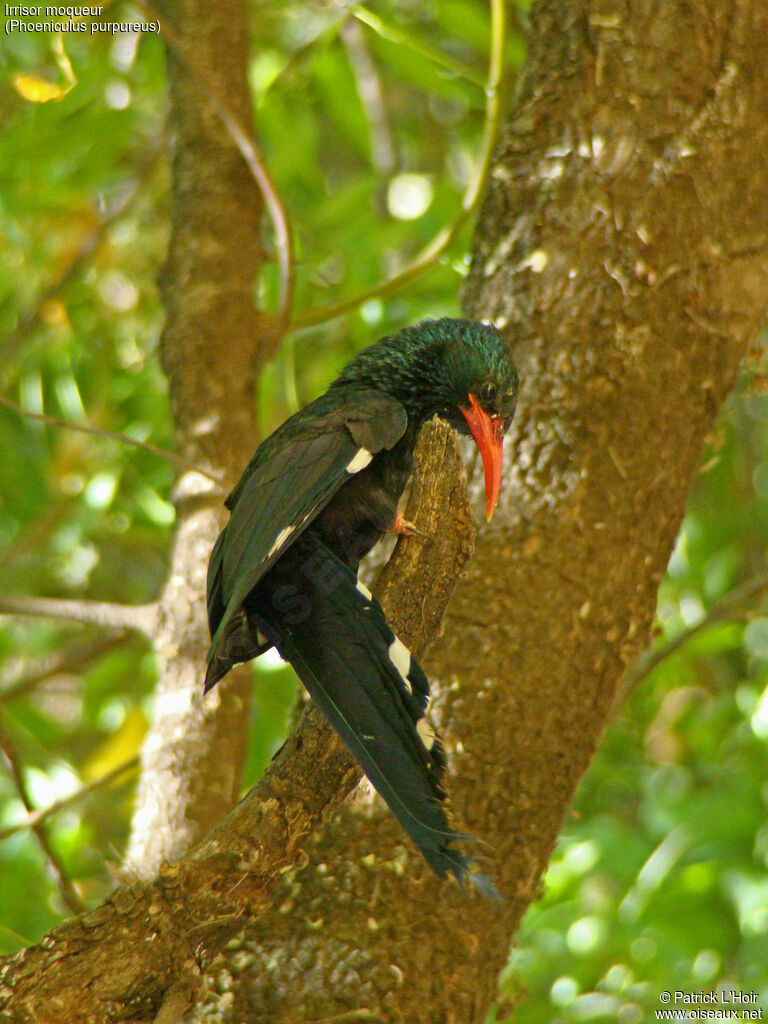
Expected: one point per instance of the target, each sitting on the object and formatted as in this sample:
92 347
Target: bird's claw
406 528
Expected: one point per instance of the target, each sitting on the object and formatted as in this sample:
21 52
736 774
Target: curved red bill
488 432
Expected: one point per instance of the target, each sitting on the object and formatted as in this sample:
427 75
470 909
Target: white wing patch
362 589
400 657
282 537
426 732
359 461
285 533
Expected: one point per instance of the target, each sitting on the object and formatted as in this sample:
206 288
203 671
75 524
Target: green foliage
79 515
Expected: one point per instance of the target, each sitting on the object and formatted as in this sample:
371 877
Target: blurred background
370 119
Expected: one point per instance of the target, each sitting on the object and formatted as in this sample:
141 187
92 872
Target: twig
141 618
35 818
371 96
289 381
397 35
250 152
308 42
178 460
728 607
443 239
15 770
113 435
71 657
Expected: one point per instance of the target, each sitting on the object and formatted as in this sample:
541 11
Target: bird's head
460 370
478 384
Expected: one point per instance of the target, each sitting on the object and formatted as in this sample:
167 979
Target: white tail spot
400 657
426 732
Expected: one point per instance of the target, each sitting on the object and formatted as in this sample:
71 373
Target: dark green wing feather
290 479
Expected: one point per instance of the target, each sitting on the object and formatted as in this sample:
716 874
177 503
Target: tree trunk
622 248
194 754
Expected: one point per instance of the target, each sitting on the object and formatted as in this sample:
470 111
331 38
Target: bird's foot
405 528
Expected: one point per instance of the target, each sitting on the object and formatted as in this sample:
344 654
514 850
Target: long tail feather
368 686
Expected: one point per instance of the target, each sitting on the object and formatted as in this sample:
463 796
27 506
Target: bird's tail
241 641
370 689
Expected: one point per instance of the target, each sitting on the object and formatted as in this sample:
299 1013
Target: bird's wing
290 479
370 689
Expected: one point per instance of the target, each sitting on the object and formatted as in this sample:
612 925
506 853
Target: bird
316 496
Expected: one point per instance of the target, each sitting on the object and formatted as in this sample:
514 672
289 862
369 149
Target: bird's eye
488 392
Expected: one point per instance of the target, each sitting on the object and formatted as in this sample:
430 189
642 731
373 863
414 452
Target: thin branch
443 239
113 435
141 618
402 38
251 153
371 95
70 658
732 606
36 818
13 763
309 41
289 381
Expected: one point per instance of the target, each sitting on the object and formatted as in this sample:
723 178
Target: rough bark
622 246
141 954
193 756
